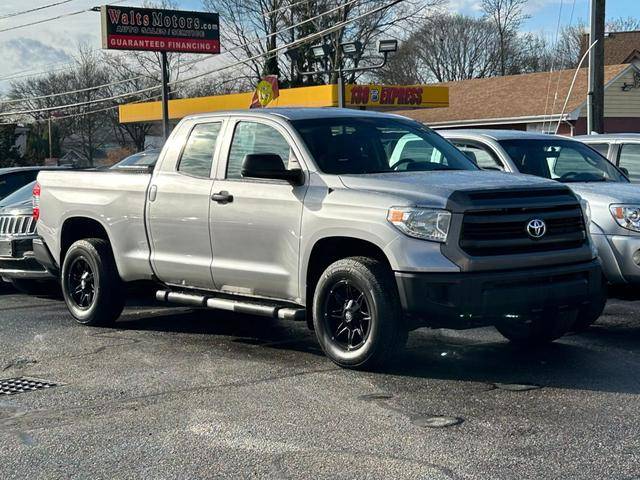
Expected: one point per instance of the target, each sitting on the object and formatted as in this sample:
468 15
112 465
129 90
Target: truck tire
357 315
91 285
539 330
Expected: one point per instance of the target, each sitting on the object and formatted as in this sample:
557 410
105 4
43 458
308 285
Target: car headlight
627 216
423 223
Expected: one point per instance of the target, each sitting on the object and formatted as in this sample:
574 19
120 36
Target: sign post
160 30
164 65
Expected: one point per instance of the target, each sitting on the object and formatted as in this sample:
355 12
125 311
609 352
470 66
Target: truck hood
434 188
21 208
607 192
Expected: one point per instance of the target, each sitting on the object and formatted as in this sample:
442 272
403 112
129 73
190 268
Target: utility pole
164 65
50 140
595 101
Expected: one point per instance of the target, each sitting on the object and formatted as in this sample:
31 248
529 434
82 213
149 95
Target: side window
601 148
630 159
483 157
255 138
197 156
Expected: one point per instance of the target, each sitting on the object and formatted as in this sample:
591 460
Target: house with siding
539 102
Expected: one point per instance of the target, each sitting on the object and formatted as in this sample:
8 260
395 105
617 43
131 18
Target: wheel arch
79 228
329 249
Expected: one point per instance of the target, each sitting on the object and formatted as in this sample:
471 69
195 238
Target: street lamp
323 54
351 49
387 46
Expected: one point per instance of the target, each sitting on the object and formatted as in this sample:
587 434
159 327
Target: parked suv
315 214
622 149
17 231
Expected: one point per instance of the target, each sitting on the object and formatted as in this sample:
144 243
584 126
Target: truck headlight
423 223
627 216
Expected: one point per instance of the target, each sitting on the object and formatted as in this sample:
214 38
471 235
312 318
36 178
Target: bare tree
622 24
456 47
405 66
90 129
253 28
507 16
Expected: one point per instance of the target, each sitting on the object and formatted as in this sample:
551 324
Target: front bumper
473 299
616 253
21 264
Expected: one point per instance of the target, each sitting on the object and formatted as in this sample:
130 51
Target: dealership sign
127 28
396 96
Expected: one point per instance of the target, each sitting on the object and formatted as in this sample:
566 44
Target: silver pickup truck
314 214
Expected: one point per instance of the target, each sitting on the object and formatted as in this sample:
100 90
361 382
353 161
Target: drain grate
13 386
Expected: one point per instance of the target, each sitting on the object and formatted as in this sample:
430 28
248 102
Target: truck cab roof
293 114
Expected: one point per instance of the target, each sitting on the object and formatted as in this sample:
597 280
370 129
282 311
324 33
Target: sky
50 46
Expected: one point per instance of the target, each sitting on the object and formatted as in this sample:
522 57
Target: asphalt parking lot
175 393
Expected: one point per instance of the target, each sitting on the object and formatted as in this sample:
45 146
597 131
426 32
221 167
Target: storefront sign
396 96
127 28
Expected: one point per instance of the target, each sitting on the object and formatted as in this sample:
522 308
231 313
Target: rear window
10 182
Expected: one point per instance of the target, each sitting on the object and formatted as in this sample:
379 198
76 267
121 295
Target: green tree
9 154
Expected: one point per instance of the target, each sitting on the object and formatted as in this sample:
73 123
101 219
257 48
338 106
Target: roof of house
619 47
511 97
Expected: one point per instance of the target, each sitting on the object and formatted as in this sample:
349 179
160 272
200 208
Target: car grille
17 225
500 231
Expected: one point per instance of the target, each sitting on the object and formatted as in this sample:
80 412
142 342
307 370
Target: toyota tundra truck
314 214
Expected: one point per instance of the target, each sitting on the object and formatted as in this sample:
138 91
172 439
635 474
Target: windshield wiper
591 180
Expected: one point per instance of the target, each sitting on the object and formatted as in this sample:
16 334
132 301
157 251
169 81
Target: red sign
127 28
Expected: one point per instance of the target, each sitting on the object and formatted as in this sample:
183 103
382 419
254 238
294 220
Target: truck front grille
504 230
17 225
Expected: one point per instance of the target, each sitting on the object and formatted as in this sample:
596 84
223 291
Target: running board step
271 310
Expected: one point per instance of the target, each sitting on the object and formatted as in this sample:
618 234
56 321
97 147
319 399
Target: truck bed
116 199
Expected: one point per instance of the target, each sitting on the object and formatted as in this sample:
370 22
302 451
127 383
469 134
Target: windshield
562 160
21 195
376 145
142 159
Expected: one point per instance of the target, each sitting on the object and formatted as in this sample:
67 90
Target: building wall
612 125
619 103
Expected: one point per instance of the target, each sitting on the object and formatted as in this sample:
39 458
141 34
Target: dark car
13 178
17 231
146 159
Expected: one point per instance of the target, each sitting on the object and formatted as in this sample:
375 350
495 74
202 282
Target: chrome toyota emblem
536 228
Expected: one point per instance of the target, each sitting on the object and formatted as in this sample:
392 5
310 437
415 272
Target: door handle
223 197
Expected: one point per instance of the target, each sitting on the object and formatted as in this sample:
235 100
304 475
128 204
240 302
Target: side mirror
625 171
271 166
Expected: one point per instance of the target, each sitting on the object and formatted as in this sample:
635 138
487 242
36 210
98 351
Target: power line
50 19
295 43
25 73
127 80
15 14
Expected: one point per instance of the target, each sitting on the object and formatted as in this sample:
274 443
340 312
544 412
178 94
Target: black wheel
91 285
37 288
356 313
587 316
539 329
